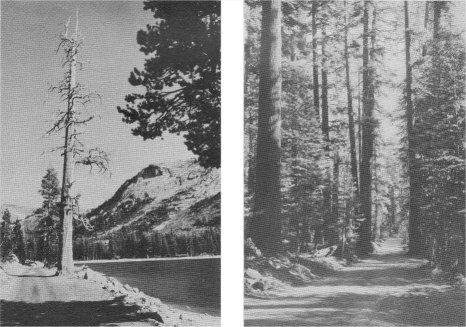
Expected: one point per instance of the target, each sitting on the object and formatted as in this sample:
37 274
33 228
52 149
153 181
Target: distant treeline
127 244
131 244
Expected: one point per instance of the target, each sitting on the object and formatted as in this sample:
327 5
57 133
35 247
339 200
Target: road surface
387 289
34 297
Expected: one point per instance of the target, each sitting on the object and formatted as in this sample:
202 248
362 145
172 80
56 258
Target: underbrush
264 275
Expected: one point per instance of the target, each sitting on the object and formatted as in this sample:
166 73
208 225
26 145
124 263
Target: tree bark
315 67
354 162
65 264
318 230
327 200
266 224
414 231
334 235
364 245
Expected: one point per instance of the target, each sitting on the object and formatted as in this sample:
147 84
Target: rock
258 286
437 273
459 279
251 249
112 280
254 274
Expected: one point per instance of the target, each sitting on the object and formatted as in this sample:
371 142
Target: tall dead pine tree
265 227
68 121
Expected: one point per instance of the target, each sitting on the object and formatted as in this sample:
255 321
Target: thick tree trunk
354 162
415 237
65 263
266 224
364 245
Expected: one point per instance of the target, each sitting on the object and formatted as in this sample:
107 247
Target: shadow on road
426 308
74 313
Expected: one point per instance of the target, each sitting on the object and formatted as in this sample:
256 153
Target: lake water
192 284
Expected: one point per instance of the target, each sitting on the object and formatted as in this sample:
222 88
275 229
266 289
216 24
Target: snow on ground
386 289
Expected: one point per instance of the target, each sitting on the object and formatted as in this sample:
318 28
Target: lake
192 284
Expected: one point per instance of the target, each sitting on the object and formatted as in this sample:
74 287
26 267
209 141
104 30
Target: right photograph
354 163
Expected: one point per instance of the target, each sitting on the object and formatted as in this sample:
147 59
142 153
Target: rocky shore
160 313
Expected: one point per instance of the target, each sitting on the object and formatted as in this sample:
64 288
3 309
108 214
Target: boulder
254 274
259 285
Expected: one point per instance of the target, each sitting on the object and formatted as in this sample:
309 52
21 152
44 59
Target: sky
29 37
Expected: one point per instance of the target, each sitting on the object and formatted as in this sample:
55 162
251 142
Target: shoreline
76 262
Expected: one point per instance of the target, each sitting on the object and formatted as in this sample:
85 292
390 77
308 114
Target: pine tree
68 121
48 228
6 244
18 242
265 229
364 230
182 78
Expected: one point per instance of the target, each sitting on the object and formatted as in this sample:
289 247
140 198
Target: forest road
32 296
386 289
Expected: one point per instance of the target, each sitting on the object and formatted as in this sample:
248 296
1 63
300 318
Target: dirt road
387 289
33 296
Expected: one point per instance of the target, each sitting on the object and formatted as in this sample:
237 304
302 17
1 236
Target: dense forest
354 127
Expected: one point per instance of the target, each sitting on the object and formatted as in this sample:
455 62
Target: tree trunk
318 230
377 222
315 67
266 224
354 162
334 234
364 245
327 200
414 231
65 264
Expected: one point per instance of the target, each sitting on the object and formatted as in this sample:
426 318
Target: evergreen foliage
6 242
18 242
181 77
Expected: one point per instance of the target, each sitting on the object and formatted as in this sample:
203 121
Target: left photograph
110 163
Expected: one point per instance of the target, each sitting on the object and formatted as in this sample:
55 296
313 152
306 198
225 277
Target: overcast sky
29 38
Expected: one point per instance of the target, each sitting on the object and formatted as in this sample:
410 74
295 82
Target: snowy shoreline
147 259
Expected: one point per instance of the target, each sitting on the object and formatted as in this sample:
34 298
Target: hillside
181 197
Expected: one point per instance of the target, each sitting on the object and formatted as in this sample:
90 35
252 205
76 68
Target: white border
232 163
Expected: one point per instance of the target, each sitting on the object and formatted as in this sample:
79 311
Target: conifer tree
6 244
18 242
181 78
265 227
68 121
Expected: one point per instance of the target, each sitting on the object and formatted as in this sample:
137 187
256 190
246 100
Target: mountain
181 198
17 212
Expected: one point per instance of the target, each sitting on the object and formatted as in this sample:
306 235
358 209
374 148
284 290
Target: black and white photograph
110 163
354 170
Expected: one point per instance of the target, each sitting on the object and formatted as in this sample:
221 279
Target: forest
354 128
